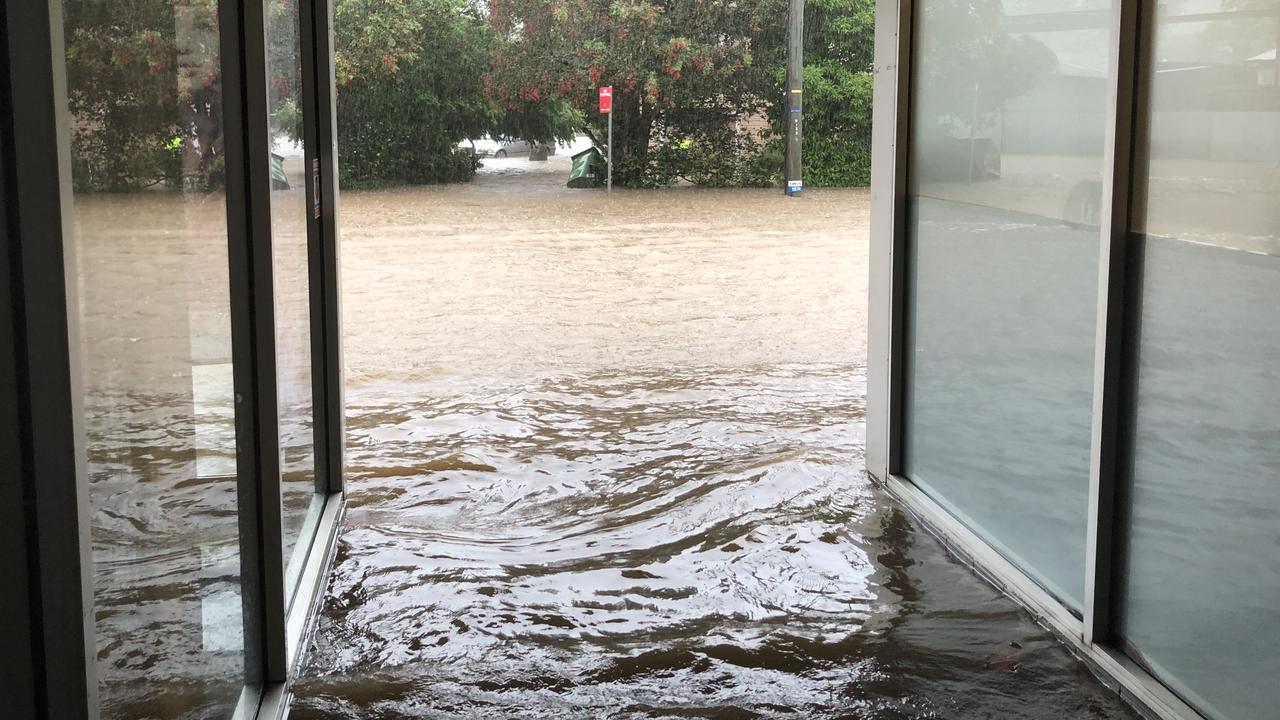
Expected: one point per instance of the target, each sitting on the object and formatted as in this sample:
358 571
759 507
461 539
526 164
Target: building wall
1076 263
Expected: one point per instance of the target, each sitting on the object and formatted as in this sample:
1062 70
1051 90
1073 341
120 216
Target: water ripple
648 543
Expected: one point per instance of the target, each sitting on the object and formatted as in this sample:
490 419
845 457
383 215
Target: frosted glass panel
1202 592
1009 112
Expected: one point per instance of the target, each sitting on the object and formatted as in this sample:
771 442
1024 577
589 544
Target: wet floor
605 460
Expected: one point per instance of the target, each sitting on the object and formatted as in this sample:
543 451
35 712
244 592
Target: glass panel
150 244
1201 603
1009 113
300 501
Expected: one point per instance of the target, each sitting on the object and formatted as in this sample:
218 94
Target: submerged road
605 460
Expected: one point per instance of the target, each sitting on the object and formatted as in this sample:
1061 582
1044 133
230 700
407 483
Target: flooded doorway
605 460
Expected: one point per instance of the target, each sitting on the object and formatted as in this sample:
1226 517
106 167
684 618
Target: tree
687 74
970 67
837 125
683 72
409 89
144 88
839 42
417 76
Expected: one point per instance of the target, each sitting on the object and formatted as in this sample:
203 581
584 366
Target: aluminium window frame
47 616
290 611
319 80
1090 637
320 128
48 612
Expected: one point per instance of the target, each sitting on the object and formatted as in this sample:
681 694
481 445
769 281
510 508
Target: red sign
606 99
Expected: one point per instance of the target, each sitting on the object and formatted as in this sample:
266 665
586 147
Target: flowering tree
689 76
693 80
144 89
684 72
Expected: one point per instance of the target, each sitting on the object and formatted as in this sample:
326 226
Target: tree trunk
631 133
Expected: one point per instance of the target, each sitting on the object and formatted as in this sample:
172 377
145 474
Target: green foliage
839 48
284 68
143 86
709 166
837 124
840 31
715 154
681 70
417 76
410 89
541 122
687 74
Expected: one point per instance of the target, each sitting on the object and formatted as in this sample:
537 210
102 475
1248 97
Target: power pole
795 95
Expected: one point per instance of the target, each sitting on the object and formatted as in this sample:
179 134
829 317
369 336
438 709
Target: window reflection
1009 117
289 212
1203 564
150 250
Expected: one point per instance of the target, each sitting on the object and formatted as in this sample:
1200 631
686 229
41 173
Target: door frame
47 617
1090 635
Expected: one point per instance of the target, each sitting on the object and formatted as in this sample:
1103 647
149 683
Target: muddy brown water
606 460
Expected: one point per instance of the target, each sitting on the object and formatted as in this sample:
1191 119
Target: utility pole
795 96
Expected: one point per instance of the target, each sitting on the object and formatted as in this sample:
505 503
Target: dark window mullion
1109 346
326 143
50 471
253 313
315 249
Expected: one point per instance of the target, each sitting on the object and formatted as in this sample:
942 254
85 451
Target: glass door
1202 568
1009 113
293 230
170 336
175 619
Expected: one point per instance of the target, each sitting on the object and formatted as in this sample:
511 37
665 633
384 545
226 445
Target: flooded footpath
605 460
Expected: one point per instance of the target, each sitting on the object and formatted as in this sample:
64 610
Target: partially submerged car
498 149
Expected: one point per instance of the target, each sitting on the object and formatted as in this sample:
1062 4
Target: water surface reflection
611 466
698 543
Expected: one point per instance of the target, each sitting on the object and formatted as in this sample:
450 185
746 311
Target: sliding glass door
175 626
201 308
1009 118
292 215
1202 575
1076 274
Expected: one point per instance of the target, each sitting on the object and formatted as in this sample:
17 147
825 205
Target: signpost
606 108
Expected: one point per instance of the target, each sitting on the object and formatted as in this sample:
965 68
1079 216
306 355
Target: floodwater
605 459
